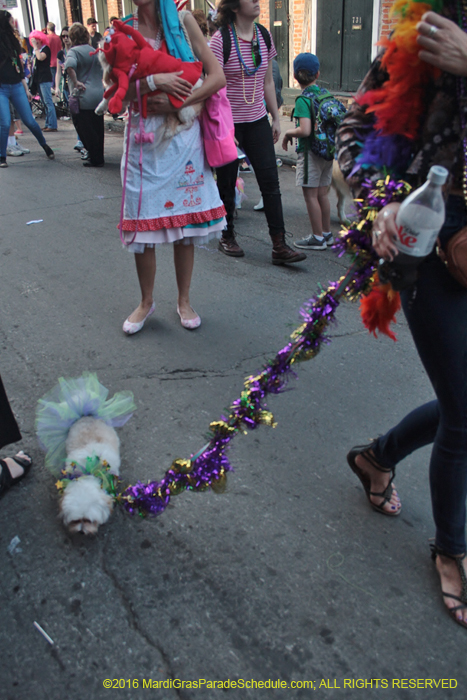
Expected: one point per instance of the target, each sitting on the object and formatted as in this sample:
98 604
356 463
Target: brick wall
114 8
298 10
386 23
87 8
264 12
68 12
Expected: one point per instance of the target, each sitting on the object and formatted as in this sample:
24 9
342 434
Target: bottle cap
438 175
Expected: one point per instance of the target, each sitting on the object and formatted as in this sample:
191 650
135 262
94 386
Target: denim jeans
436 311
17 94
50 113
255 139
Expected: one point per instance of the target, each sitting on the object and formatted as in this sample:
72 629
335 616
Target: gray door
279 24
343 42
102 15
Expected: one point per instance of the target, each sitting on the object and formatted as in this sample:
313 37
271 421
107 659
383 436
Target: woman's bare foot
14 468
141 311
451 585
378 483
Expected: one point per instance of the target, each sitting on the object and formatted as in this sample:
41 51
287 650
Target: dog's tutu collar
70 400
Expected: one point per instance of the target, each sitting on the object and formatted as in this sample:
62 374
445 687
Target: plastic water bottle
418 223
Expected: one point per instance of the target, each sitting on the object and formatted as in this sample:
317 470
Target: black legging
90 128
255 139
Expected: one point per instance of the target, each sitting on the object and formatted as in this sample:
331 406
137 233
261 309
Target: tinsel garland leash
208 467
397 108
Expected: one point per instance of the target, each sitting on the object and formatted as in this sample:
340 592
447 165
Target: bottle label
416 243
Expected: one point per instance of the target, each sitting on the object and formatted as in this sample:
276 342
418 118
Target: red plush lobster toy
130 57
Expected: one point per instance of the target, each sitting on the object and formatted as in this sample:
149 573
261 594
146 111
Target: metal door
279 23
356 49
343 42
329 42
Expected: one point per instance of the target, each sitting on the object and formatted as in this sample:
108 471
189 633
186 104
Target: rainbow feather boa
398 105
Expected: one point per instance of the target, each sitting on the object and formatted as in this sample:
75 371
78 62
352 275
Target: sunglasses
256 52
65 36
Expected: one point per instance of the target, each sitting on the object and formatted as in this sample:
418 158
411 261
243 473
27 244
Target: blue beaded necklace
255 50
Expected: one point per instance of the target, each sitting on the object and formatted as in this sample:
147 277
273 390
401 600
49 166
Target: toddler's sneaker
18 132
14 151
311 243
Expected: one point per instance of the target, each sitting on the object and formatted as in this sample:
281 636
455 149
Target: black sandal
6 480
364 450
462 599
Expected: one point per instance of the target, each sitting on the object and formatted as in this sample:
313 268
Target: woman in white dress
176 199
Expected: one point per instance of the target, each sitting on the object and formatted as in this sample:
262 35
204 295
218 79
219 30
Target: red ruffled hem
179 221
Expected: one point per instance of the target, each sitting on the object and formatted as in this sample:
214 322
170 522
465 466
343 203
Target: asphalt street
289 575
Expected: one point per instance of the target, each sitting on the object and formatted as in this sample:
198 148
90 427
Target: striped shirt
240 86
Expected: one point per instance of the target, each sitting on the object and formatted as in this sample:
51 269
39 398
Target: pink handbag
218 130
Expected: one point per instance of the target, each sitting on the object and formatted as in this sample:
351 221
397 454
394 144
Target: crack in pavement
53 649
133 618
173 374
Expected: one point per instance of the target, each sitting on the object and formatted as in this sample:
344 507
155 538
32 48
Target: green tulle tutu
70 400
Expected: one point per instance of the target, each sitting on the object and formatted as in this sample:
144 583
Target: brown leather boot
229 245
282 253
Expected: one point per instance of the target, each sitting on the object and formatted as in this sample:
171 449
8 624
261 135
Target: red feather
379 309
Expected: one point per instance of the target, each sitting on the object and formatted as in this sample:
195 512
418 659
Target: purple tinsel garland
208 468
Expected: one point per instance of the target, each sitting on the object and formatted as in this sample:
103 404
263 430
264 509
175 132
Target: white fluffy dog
85 505
75 424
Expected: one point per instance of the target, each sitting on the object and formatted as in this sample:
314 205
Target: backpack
227 42
327 112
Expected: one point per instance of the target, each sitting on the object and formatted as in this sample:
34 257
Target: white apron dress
180 199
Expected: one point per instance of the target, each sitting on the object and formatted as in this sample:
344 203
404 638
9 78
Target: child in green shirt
315 174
